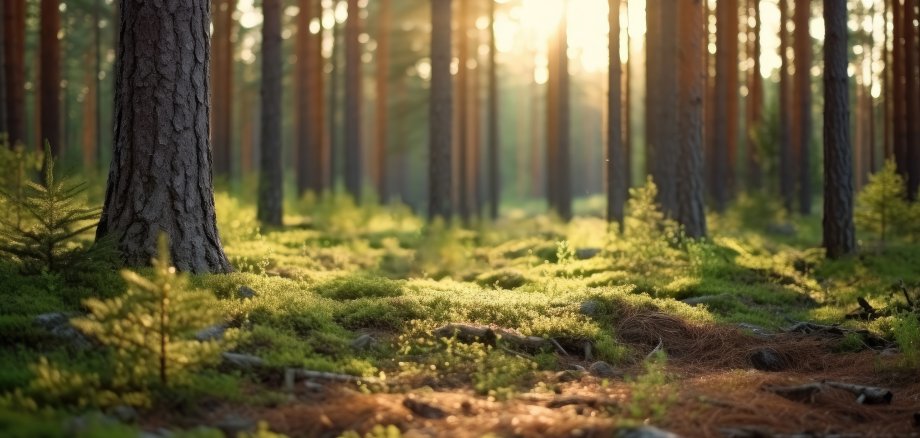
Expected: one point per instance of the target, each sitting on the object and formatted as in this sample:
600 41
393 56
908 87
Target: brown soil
718 392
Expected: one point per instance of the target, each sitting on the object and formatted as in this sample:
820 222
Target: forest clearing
459 218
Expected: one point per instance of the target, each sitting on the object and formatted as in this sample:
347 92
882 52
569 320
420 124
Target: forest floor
645 328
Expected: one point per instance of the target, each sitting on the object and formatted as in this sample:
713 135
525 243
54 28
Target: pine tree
48 219
880 207
151 328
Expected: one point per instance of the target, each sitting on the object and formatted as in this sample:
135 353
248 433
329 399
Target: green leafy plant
651 397
906 331
151 328
881 208
47 221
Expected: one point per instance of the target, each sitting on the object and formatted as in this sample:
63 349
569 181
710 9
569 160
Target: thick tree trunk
558 136
912 88
160 176
50 76
14 16
839 235
494 146
899 122
382 56
335 144
270 167
786 160
726 102
666 158
617 183
222 85
309 102
803 64
354 162
462 115
755 100
690 192
4 120
440 113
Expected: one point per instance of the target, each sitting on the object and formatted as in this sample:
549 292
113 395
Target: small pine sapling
151 328
881 208
47 221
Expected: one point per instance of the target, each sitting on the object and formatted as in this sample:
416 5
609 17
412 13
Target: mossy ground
338 271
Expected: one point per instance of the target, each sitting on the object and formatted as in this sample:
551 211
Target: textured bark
617 182
558 124
462 115
50 76
97 84
14 48
222 85
839 235
912 90
726 102
270 168
4 120
440 112
652 96
493 117
335 146
899 121
666 154
309 102
755 100
354 161
803 62
690 193
786 160
382 56
160 175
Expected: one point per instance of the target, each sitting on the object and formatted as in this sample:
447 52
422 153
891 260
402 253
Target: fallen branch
292 374
491 334
812 329
558 402
808 391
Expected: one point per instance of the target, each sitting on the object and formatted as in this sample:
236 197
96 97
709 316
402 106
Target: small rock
58 324
242 361
755 329
586 253
703 299
363 342
590 308
644 432
569 375
767 359
892 351
604 369
234 426
423 409
212 333
313 386
246 292
123 413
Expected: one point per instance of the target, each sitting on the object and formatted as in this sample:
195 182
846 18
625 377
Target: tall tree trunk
887 89
160 175
912 88
653 57
222 85
14 15
50 76
666 159
440 113
899 121
462 115
335 149
309 98
4 120
839 235
726 102
627 105
755 100
382 56
354 162
558 136
690 193
786 160
803 63
493 120
617 183
270 167
97 82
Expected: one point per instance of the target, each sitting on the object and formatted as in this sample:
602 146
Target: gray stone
767 359
363 342
212 333
234 426
246 292
644 432
590 308
703 299
755 329
58 324
604 369
586 253
123 413
242 361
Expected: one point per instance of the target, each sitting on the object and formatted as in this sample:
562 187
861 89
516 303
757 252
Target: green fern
47 219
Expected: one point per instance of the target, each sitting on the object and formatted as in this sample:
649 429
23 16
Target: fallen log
489 334
291 375
560 401
807 392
